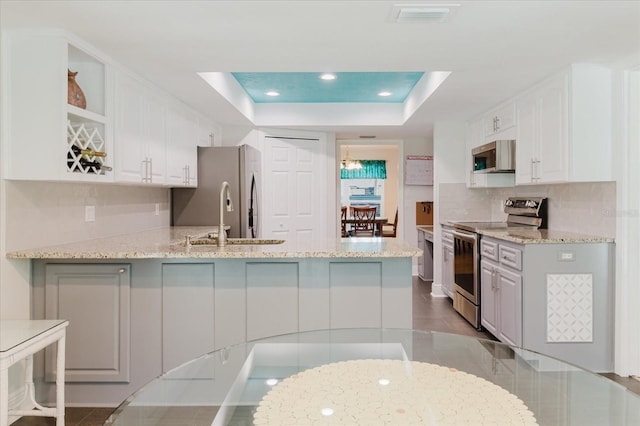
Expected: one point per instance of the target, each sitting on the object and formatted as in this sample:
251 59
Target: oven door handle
465 235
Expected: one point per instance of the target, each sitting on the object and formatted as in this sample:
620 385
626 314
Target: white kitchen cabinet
448 276
41 127
140 132
94 298
209 133
497 122
476 138
182 139
564 128
501 291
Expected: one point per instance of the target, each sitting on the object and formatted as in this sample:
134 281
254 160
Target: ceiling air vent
421 13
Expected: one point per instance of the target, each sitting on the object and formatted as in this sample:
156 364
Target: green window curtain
371 169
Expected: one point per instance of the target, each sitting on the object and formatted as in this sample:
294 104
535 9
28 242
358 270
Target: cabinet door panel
272 299
130 144
526 139
154 131
356 294
554 137
488 308
187 312
94 298
510 289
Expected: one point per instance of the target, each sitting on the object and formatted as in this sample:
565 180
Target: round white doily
389 392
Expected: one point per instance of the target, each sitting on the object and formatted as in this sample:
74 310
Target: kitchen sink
235 241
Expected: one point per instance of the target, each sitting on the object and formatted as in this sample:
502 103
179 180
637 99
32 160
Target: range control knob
531 203
508 203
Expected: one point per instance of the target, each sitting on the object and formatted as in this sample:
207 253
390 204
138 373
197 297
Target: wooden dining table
379 221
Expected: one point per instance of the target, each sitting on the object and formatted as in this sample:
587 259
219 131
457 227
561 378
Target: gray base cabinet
448 276
130 322
95 298
501 293
556 299
187 312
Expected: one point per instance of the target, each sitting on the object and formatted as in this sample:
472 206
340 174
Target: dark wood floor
429 313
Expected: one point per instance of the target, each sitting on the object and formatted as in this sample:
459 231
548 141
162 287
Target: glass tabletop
378 376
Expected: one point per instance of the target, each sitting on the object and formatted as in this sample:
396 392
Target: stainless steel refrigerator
241 167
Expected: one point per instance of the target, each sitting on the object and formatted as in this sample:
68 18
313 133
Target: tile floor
429 313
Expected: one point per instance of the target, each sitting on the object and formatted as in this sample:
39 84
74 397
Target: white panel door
295 189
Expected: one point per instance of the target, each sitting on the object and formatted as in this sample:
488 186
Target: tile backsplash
586 208
46 213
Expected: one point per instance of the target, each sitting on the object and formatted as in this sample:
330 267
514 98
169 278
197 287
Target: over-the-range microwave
495 157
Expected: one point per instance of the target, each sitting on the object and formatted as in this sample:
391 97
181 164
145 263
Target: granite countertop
542 236
170 243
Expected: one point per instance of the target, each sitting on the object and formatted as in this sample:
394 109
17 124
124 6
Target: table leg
60 364
4 397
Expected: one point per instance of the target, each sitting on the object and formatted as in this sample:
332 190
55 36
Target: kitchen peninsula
141 304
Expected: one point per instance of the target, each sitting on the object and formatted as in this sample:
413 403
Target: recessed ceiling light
272 93
384 93
328 76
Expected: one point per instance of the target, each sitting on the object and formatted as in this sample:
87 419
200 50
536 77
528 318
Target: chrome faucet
225 200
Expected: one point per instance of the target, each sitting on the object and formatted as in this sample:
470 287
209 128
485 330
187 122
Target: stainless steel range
523 212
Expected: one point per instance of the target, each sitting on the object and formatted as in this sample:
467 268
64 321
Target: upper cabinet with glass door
56 116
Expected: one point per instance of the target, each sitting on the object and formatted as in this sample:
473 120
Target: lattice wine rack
85 151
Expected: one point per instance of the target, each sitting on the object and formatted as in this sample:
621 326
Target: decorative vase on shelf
75 96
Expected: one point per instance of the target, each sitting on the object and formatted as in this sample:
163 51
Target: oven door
465 261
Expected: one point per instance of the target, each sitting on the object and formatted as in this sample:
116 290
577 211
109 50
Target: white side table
20 339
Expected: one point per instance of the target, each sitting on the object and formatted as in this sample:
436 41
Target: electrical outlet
89 213
157 212
566 256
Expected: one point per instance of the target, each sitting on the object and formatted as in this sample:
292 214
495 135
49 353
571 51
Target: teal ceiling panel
347 87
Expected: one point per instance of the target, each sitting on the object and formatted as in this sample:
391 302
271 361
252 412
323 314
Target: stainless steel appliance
523 212
241 167
495 157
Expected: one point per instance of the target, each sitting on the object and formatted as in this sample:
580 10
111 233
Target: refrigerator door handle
251 200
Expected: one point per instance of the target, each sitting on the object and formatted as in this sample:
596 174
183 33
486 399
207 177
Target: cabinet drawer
510 256
489 250
447 236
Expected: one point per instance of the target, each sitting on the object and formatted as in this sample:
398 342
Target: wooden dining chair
343 217
364 225
390 229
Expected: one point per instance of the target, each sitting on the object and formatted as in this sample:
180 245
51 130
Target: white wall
449 168
38 214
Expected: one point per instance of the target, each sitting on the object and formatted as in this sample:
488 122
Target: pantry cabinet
46 137
564 128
